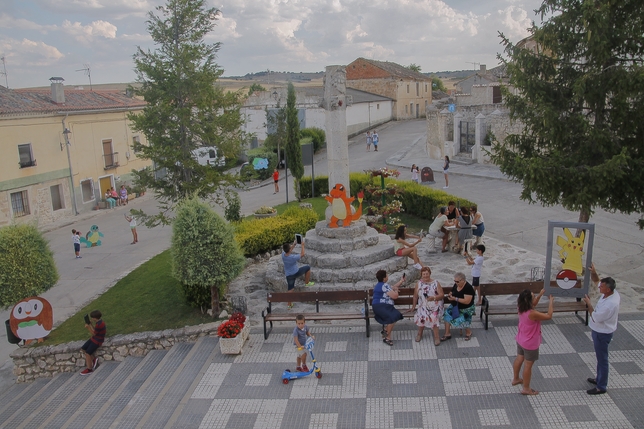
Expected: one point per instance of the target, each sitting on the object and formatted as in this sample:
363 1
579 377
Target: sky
40 39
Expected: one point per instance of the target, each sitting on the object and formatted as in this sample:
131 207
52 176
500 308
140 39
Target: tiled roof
40 100
397 70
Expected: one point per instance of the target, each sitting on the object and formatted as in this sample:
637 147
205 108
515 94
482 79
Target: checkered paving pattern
459 384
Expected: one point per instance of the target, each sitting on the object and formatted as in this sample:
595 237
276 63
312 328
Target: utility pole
4 72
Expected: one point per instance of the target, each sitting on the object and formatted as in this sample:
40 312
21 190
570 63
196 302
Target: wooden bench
496 289
270 316
406 299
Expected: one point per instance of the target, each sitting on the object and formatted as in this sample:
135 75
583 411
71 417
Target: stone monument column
435 138
335 114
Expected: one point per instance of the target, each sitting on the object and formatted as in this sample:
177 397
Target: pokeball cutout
566 279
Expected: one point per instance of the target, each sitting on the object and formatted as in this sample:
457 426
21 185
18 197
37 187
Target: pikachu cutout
571 252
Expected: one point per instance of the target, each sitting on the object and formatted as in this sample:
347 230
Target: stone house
364 110
483 77
63 148
410 91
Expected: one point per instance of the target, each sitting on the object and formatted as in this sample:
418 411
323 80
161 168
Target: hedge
263 235
418 200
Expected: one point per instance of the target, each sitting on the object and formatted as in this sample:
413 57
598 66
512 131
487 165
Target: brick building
410 91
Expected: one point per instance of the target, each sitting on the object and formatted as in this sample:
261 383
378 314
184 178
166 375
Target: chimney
57 90
483 69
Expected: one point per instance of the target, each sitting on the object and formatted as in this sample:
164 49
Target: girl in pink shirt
529 337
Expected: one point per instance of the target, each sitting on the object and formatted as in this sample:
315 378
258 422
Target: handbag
455 312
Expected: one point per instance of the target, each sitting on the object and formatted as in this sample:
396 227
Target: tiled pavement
367 384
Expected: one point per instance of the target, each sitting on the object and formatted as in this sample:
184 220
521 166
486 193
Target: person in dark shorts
97 329
291 269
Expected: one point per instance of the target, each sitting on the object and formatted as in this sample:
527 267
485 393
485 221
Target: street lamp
66 133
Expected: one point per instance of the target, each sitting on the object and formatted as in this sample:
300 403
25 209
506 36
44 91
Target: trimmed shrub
418 200
262 174
27 266
232 212
263 235
205 255
317 135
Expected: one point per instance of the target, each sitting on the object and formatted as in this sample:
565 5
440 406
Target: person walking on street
603 323
369 141
276 179
132 220
375 139
446 172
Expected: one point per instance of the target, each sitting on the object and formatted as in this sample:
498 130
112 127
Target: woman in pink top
529 337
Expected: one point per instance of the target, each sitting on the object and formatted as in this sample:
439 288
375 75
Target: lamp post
66 133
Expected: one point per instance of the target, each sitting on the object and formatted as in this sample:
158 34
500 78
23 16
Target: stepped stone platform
343 258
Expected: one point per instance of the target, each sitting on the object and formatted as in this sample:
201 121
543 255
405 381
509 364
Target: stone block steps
321 244
147 392
354 258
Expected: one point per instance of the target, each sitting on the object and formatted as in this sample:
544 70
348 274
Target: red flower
229 329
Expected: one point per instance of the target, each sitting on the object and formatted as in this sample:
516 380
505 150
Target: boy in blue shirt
291 269
300 334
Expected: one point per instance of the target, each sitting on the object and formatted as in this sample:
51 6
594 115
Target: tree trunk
214 295
584 216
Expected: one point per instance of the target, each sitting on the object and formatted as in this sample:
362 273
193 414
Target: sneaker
298 369
95 363
418 266
86 371
305 368
445 187
309 284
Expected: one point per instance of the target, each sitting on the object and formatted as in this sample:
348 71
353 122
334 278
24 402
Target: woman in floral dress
428 303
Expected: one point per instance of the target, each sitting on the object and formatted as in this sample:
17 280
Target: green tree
186 108
414 67
256 87
276 125
293 149
581 100
27 266
205 255
318 136
437 84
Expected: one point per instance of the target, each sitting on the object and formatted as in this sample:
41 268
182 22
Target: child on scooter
300 333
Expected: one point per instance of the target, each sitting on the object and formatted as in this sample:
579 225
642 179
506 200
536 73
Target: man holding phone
291 269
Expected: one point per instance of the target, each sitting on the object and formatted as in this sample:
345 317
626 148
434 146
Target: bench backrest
336 295
488 289
406 295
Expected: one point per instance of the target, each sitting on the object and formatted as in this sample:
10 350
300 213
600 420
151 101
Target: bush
317 135
205 255
263 235
232 213
418 200
27 266
262 174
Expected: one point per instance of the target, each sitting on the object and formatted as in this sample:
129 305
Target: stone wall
37 362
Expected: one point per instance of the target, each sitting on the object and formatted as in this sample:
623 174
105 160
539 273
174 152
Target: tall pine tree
293 148
186 108
581 99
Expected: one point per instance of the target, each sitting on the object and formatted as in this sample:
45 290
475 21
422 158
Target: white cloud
7 21
516 22
29 53
87 33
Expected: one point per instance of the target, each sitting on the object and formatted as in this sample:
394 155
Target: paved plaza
459 384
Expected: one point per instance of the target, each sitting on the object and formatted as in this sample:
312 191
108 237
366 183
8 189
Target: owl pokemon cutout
32 319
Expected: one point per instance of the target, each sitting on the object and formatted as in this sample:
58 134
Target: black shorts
475 281
90 347
76 247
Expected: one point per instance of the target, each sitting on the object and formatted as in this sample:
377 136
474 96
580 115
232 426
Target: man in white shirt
603 322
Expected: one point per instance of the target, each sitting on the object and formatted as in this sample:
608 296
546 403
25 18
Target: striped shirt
99 332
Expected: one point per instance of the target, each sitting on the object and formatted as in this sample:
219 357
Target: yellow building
411 91
62 149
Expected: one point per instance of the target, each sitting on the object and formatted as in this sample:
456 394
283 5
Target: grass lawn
147 299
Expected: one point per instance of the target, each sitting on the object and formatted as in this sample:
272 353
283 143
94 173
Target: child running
477 266
76 241
300 334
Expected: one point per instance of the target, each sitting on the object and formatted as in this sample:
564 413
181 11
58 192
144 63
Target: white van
207 155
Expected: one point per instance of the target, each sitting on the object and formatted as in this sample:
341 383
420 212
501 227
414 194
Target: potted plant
265 211
232 334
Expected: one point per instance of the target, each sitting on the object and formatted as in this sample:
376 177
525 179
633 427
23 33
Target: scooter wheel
318 374
285 380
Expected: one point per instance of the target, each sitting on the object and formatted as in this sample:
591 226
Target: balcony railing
30 163
111 160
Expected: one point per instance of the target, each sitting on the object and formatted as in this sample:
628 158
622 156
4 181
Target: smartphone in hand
298 238
87 321
404 276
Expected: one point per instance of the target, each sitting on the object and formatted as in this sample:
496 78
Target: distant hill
460 74
274 76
